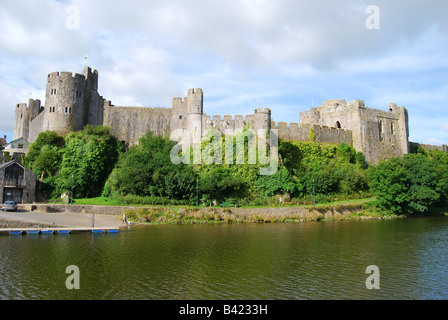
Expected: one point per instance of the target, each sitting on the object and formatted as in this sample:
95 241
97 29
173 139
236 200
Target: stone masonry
73 101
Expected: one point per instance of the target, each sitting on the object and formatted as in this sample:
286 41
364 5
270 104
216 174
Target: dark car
9 206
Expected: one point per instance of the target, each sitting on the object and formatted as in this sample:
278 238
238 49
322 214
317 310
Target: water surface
312 260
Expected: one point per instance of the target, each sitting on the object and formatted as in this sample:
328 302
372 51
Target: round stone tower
68 100
64 107
262 119
194 114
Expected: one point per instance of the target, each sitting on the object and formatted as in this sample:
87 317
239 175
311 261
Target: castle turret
403 124
72 101
262 119
194 114
91 78
24 114
92 100
64 110
21 122
179 114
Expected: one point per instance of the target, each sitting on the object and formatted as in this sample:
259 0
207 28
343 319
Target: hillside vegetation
93 163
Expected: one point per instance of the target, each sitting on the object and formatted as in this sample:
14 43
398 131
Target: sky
286 55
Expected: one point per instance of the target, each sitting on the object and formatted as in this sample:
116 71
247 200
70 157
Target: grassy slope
110 202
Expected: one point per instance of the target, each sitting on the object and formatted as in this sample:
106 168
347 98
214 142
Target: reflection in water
313 260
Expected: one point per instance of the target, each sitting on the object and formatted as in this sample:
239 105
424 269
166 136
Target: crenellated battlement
194 92
178 100
64 75
73 101
108 103
285 125
237 118
263 110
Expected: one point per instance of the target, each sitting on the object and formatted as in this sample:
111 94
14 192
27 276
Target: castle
73 101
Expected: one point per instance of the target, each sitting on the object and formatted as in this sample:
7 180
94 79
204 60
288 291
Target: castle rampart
377 133
129 124
306 132
415 145
72 101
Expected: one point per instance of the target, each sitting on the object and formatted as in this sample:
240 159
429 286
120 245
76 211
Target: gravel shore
23 218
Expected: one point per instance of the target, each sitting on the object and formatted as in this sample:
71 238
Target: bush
147 171
412 184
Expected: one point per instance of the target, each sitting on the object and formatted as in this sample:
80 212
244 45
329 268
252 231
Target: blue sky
286 55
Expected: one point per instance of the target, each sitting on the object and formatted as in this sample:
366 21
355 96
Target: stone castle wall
260 120
377 133
129 124
73 101
415 145
306 132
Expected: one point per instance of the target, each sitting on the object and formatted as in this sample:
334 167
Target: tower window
69 110
338 125
66 110
180 117
392 129
380 128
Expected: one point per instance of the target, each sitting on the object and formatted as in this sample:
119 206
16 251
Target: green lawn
342 202
103 201
99 201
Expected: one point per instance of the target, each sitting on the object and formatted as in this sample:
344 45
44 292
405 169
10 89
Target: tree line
93 163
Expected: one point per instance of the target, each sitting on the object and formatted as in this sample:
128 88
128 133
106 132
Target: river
283 261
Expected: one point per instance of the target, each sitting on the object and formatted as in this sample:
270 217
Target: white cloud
244 53
434 141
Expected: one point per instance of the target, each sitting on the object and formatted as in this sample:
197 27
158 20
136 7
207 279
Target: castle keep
73 101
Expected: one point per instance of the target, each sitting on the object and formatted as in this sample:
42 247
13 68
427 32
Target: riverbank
66 215
255 215
44 219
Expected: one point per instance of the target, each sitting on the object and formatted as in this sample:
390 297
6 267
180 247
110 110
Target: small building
3 142
19 145
17 183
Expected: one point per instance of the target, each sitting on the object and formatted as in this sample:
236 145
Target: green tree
279 183
360 160
346 153
291 157
45 154
88 159
411 184
218 182
352 179
180 184
146 170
